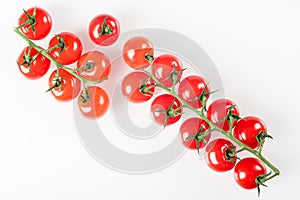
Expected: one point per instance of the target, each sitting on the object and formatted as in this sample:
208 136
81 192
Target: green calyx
199 137
85 97
170 112
31 20
105 29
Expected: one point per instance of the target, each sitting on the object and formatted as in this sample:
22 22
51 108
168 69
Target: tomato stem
58 65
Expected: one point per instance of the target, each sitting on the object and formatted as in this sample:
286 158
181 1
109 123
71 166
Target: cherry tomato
69 48
166 109
137 87
247 170
134 52
35 23
190 88
218 111
93 102
190 132
65 86
220 155
93 66
104 30
165 67
247 129
32 64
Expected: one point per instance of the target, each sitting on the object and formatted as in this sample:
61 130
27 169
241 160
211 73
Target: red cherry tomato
32 64
247 170
134 52
218 156
190 88
104 30
94 103
191 130
163 66
137 87
247 129
162 106
35 23
65 86
93 66
69 48
218 110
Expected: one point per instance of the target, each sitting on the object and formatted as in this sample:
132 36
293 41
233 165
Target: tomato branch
201 114
58 65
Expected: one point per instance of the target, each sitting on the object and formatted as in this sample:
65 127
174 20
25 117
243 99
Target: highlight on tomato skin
94 102
134 51
247 130
191 87
65 86
247 170
218 110
68 48
39 26
137 87
190 129
32 64
93 66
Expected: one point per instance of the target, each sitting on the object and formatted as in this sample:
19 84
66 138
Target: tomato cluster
66 48
166 71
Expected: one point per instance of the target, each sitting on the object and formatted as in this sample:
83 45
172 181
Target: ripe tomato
35 23
64 86
218 110
134 52
93 102
220 155
164 67
137 87
190 88
32 64
190 132
247 170
247 129
166 109
68 48
93 66
104 30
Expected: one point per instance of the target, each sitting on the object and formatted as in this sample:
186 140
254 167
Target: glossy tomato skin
132 84
218 110
190 88
247 170
42 26
134 52
216 155
247 129
71 51
191 127
70 85
94 66
163 66
95 30
38 67
162 103
97 104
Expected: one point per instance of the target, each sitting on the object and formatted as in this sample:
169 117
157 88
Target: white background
254 44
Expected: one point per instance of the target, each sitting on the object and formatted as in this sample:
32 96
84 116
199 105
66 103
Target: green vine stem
58 65
201 114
